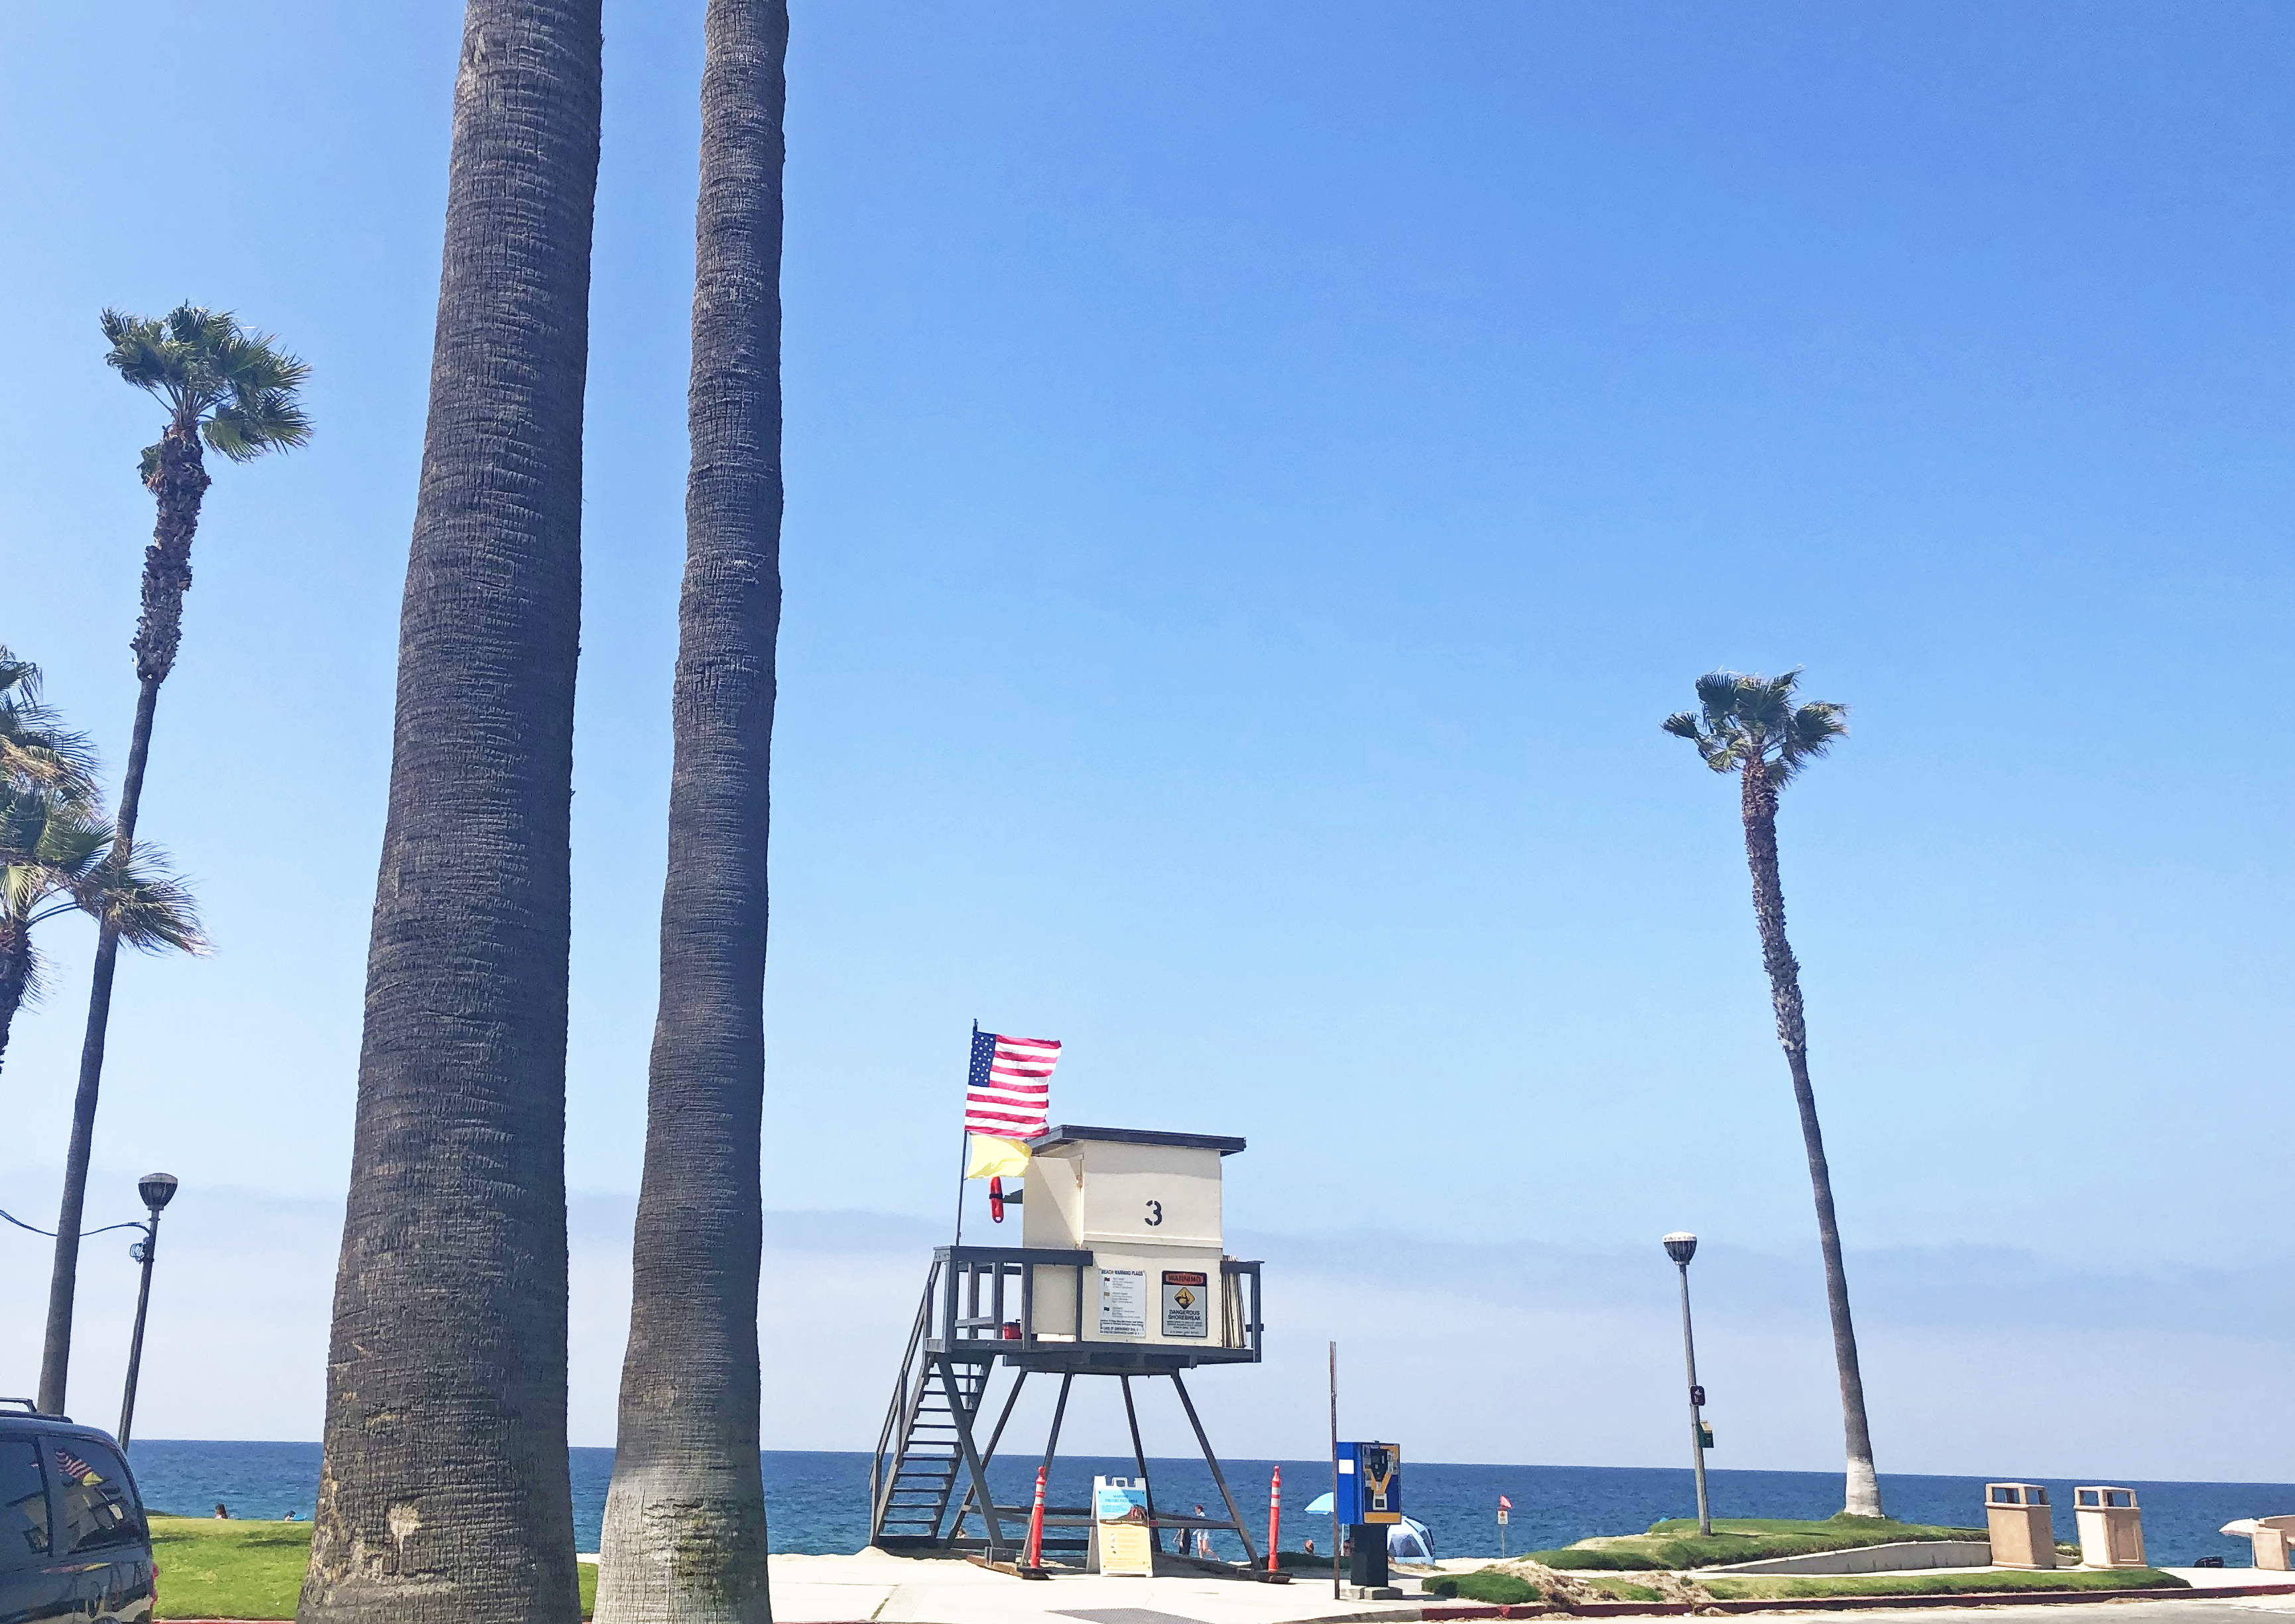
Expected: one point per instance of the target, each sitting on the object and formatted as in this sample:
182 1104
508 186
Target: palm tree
444 1497
234 392
36 747
55 857
1749 725
684 1535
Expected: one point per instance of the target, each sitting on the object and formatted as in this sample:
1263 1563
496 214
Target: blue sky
1257 477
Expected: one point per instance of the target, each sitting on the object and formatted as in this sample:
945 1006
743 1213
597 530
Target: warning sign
1120 1540
1123 1302
1186 1303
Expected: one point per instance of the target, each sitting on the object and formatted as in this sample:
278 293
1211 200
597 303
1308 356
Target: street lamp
1681 1247
158 1190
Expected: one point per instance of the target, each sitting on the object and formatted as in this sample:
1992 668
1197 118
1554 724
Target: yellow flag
995 1158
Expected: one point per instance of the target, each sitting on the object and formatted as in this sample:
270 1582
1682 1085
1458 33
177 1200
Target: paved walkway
906 1590
873 1586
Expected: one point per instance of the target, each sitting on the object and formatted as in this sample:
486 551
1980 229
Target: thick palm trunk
685 1516
444 1497
1863 1499
181 485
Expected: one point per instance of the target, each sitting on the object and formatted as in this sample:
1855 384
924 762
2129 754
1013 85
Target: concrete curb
1631 1610
1815 1603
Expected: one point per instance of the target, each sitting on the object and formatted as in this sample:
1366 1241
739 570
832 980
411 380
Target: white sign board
1120 1539
1123 1302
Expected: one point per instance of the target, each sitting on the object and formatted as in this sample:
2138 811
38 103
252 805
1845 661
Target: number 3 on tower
1155 1213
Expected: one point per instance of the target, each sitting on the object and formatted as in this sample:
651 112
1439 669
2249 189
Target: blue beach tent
1408 1540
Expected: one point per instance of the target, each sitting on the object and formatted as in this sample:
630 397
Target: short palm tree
55 857
232 392
684 1539
1749 725
36 747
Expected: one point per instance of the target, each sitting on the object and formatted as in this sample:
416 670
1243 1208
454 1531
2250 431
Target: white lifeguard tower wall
1147 1205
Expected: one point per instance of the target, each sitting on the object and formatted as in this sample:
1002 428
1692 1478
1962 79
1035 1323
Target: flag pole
964 1143
1335 1470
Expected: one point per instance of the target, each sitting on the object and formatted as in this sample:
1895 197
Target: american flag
1009 1089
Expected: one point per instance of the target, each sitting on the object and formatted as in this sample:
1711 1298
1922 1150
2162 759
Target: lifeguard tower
1121 1271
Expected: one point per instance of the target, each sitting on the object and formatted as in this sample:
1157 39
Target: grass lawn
247 1569
1676 1542
1779 1585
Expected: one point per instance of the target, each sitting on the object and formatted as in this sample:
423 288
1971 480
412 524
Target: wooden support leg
1131 1414
1250 1552
1059 1409
962 1417
1019 1380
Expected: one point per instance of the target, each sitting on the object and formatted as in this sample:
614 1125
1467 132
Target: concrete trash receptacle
2023 1529
2272 1536
2110 1527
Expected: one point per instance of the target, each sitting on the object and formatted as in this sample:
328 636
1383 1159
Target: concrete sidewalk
906 1590
875 1586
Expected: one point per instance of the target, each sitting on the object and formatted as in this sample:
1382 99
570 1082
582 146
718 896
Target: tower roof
1066 1134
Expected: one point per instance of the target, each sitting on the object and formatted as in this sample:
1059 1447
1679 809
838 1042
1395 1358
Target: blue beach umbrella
1320 1506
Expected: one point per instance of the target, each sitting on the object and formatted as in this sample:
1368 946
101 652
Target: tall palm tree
1749 725
684 1537
36 747
234 392
56 857
443 1496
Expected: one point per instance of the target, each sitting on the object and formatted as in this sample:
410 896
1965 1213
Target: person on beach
221 1514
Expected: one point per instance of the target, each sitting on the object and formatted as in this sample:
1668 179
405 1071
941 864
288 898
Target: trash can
2023 1528
2271 1537
2110 1527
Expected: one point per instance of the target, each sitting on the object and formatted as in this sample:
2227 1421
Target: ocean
817 1502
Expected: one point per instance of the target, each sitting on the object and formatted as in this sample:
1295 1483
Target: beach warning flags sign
1504 1505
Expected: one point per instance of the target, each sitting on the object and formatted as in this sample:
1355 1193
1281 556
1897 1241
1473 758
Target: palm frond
150 907
1714 751
36 747
1749 718
33 966
73 841
1717 697
246 426
238 387
20 680
140 352
1809 733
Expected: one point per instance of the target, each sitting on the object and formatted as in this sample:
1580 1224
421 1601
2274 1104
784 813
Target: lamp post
1681 1247
158 1190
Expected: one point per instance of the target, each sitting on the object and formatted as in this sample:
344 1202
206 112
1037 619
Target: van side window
23 1502
99 1508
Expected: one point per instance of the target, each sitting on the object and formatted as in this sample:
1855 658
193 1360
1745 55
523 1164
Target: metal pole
1250 1556
964 1142
135 1344
1146 1487
1696 1422
1335 1470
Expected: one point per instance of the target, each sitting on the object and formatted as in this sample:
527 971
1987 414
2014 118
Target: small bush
1498 1589
1597 1558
